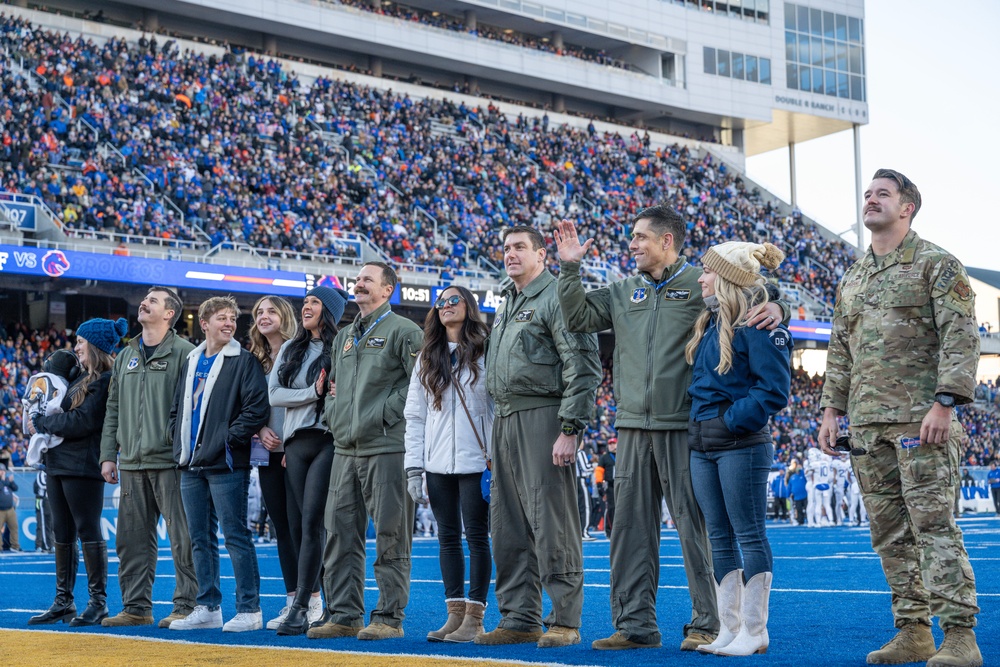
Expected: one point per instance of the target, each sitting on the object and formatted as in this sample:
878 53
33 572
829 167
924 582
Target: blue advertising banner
44 262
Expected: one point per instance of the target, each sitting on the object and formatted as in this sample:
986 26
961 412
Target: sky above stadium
932 99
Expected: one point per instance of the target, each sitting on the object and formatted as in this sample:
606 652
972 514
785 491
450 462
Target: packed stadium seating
250 156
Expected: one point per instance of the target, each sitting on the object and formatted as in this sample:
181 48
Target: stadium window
841 56
765 71
738 66
751 66
843 86
854 29
790 47
805 83
803 18
841 27
792 76
710 60
855 59
722 58
857 89
829 26
831 83
817 52
817 80
829 54
803 49
816 22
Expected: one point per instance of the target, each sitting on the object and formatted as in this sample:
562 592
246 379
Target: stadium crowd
436 19
252 155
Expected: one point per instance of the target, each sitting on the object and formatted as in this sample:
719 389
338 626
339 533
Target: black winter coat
231 414
80 452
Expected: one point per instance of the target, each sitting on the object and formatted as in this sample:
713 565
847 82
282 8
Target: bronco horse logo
55 263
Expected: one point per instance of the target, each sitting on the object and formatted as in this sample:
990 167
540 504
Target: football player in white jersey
820 471
812 456
841 466
855 505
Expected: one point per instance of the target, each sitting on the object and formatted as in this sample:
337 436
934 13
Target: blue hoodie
754 389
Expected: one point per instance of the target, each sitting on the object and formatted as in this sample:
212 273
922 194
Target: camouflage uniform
902 333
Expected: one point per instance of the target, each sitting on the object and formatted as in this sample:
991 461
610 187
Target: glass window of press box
825 52
737 65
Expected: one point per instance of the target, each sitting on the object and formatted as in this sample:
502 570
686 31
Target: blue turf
830 605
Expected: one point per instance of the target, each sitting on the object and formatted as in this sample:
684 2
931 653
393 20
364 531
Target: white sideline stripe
319 651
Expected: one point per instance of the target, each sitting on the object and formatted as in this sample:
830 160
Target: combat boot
913 643
959 649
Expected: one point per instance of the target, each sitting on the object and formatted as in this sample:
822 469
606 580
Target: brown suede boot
959 649
456 614
503 636
472 626
913 643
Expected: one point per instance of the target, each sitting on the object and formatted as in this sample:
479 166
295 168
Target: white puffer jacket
442 441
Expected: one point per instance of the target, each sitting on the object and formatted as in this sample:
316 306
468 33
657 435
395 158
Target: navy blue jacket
754 389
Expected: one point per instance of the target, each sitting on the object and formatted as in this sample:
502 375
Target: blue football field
829 606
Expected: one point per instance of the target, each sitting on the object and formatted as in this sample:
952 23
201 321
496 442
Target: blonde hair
259 345
211 306
735 302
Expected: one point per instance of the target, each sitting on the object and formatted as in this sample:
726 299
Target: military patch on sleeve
676 294
524 316
962 290
779 338
375 342
946 278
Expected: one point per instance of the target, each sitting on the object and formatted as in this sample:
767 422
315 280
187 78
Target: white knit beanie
740 263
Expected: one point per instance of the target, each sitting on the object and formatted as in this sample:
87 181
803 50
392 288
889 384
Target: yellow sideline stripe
48 648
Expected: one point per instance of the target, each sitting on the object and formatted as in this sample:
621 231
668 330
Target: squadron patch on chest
676 294
375 342
133 363
524 315
639 295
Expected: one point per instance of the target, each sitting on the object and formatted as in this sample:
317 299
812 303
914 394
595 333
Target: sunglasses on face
450 301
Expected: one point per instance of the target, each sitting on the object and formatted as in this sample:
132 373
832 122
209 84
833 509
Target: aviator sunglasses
450 301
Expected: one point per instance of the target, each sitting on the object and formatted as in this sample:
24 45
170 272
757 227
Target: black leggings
273 488
76 508
308 459
455 498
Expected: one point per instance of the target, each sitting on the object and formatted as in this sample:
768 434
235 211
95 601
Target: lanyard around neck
657 286
357 339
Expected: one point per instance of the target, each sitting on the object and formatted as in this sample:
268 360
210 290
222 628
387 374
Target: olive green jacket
137 423
371 366
532 361
651 325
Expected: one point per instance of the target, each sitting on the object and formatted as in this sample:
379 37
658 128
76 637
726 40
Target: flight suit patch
158 366
524 316
375 342
676 295
639 295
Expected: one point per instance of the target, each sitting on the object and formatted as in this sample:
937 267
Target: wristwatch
946 400
570 429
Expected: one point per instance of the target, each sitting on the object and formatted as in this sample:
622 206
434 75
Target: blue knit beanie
103 334
334 299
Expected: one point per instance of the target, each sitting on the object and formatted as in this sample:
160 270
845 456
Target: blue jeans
212 499
731 488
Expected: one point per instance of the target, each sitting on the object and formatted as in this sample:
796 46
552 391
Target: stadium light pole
791 173
859 192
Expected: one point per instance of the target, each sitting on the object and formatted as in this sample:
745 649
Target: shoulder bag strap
461 397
